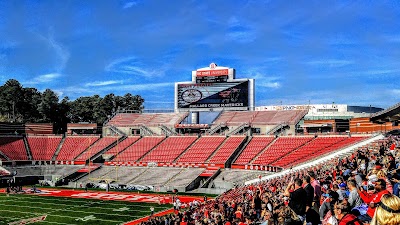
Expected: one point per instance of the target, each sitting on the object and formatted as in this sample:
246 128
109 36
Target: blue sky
298 51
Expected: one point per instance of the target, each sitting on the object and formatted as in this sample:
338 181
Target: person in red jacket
373 199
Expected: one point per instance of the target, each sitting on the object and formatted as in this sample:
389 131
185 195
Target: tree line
20 104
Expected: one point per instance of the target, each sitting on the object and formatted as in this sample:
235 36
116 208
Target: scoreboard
214 89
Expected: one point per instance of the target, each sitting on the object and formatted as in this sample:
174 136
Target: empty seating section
13 148
238 176
311 147
201 149
265 117
123 119
135 119
226 149
242 117
224 117
121 146
43 148
253 148
261 117
75 145
170 149
279 148
138 149
284 116
156 176
185 177
97 147
336 146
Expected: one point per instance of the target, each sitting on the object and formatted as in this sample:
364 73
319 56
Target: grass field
60 210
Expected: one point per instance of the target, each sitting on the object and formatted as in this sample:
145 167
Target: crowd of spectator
359 189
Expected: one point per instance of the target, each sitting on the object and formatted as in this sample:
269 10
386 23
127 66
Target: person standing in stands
309 190
317 189
298 196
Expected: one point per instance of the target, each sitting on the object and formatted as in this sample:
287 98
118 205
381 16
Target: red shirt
372 198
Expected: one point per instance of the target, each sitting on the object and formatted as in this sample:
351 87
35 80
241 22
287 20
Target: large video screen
213 95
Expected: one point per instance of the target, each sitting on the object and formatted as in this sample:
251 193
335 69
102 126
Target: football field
28 208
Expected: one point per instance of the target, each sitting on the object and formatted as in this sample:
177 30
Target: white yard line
71 199
63 209
74 206
71 217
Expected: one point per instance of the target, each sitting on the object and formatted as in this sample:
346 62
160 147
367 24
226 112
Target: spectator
354 198
344 217
297 195
388 211
309 190
374 199
317 189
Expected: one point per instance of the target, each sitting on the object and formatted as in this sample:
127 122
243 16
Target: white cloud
138 87
45 78
330 62
269 84
395 92
103 83
131 65
130 4
240 32
78 90
62 52
381 71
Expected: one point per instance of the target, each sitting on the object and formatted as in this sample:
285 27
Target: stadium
215 142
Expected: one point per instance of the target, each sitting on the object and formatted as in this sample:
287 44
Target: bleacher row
272 117
258 150
135 119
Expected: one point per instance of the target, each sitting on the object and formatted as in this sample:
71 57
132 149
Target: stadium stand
97 147
13 147
330 148
201 149
253 148
281 147
157 176
260 117
314 146
43 147
184 177
226 149
121 146
170 149
75 145
138 149
136 119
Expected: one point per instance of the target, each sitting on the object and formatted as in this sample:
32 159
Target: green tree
11 99
48 107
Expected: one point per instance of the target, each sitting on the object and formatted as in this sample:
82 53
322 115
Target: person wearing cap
388 211
373 199
327 206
